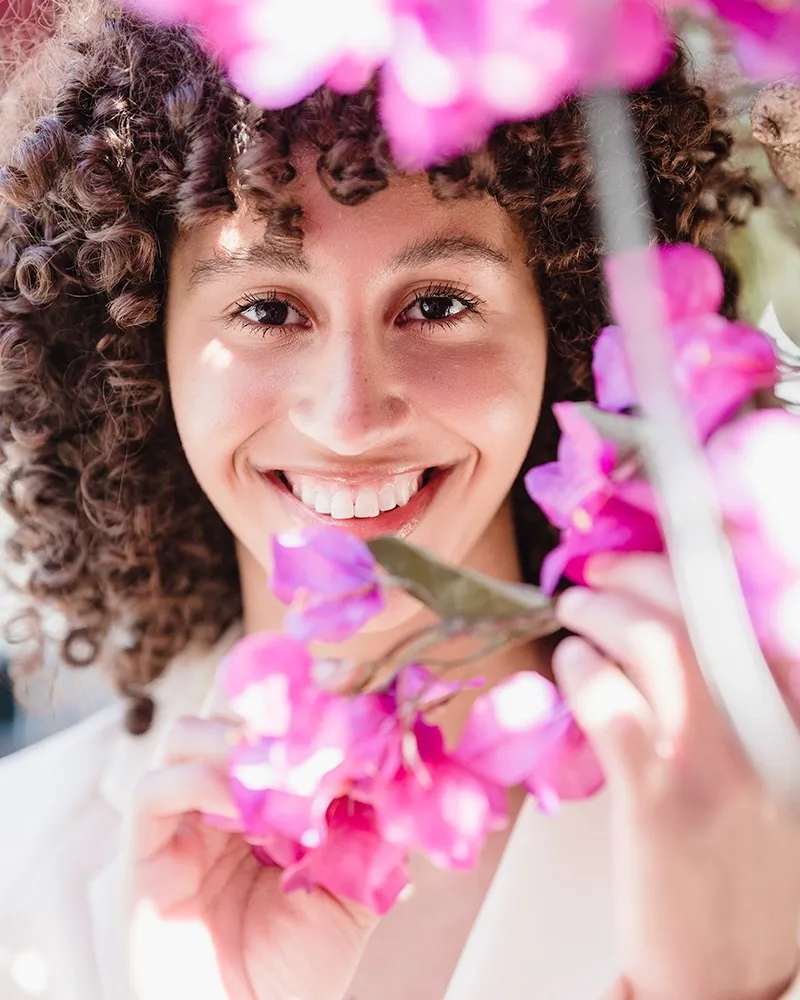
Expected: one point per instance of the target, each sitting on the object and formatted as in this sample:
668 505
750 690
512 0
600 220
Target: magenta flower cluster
601 502
337 790
451 71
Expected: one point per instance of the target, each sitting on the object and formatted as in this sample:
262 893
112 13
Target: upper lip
354 477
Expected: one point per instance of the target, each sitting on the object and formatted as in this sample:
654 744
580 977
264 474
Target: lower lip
400 521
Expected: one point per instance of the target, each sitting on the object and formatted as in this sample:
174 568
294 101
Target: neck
495 554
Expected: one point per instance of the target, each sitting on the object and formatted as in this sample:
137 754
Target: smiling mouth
368 509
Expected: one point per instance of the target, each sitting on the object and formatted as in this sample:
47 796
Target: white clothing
544 931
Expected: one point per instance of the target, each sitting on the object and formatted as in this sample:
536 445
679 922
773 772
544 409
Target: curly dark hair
144 137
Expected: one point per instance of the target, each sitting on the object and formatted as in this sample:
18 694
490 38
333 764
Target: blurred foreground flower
449 71
322 778
719 364
594 494
330 580
758 483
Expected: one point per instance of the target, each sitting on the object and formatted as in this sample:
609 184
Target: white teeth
386 498
403 492
342 505
323 504
344 502
366 504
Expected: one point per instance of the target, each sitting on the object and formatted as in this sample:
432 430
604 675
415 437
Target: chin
400 610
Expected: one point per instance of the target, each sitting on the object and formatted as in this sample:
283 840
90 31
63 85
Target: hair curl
144 138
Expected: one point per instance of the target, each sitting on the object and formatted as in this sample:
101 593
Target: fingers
208 740
650 646
607 706
165 796
646 575
192 780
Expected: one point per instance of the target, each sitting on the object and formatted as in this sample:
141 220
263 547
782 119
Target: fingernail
572 601
572 661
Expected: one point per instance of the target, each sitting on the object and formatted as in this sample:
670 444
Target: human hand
706 867
208 921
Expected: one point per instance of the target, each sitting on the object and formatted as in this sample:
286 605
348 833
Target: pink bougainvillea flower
618 527
586 474
457 70
521 732
449 71
264 677
437 806
335 743
355 861
286 785
719 364
330 579
598 505
757 484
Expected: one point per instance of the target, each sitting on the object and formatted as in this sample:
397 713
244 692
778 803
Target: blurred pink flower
437 806
355 862
369 770
719 363
449 71
265 677
330 580
521 732
758 484
618 527
765 33
598 505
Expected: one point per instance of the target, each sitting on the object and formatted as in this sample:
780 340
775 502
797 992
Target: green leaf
459 593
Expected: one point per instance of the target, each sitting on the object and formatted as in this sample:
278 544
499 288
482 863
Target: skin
356 380
707 871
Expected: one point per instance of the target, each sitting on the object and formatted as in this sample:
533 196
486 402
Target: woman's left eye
436 308
271 312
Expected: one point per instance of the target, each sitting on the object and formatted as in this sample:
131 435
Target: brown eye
434 308
272 312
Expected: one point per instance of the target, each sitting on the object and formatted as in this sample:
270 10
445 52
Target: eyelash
433 291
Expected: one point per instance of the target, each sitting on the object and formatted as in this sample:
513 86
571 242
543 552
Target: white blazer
544 931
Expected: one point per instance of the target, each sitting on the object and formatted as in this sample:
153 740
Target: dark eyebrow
435 249
290 257
287 256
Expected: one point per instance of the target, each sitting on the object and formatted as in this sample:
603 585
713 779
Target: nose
351 399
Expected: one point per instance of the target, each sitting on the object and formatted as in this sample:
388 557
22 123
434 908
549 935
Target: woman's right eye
271 312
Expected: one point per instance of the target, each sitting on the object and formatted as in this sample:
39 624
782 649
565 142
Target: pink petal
613 386
354 861
445 812
692 281
500 738
566 768
324 561
263 675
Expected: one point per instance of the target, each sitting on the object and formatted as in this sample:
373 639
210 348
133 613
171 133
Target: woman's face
386 377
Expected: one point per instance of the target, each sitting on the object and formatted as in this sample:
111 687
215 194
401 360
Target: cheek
490 396
220 397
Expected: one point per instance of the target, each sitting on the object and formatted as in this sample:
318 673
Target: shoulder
44 787
80 744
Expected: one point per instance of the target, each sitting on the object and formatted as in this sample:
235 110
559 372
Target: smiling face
385 376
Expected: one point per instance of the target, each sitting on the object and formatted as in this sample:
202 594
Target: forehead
405 214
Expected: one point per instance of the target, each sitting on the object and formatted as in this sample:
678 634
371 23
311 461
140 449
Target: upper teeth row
343 502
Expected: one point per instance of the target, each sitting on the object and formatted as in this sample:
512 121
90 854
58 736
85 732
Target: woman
218 323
